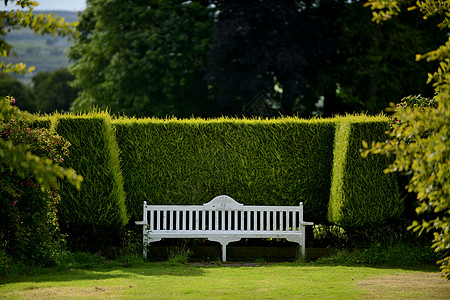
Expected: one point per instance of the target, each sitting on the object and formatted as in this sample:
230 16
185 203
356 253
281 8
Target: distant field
46 53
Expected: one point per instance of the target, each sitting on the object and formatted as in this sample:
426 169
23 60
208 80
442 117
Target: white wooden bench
223 220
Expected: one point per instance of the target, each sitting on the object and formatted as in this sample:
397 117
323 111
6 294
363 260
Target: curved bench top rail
200 207
223 203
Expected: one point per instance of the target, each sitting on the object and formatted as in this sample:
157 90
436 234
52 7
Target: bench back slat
199 220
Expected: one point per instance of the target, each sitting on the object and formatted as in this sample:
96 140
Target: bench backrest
223 213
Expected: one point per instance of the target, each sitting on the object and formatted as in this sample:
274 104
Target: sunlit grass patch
181 281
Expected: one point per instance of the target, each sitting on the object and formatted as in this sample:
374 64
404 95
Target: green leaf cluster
421 143
39 23
19 158
29 229
421 146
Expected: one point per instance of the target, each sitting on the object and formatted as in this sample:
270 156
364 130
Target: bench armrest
140 223
306 223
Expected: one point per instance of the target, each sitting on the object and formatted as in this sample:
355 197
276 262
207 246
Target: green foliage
267 47
421 148
412 102
296 52
329 236
158 72
5 263
39 23
29 230
398 254
257 162
24 95
87 260
131 260
378 56
50 91
53 91
95 214
361 194
23 162
179 254
421 143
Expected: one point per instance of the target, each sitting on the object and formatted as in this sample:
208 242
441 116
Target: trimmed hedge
361 193
257 162
98 210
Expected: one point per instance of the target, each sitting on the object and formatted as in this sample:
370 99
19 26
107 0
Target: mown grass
276 281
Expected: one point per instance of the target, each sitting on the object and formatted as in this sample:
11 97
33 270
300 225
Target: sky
73 5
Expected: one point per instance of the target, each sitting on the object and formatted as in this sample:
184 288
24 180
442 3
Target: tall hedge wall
361 194
270 162
98 209
259 162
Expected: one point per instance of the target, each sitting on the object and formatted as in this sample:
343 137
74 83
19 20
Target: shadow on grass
146 269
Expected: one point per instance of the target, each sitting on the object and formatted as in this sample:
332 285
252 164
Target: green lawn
278 281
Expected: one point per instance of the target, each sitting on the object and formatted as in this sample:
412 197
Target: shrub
401 254
29 229
411 102
421 148
5 262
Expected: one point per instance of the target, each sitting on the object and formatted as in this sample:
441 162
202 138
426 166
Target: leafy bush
5 262
421 147
29 229
411 102
393 254
179 254
329 236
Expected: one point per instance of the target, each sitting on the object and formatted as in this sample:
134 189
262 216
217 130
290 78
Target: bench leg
144 242
224 252
224 242
303 245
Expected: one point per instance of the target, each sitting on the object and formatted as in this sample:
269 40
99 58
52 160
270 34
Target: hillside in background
44 52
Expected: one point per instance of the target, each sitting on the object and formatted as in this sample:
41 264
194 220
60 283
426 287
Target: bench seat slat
221 233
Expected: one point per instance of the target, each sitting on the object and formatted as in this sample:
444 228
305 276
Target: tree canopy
53 92
143 57
18 158
212 57
9 85
261 45
39 23
421 142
